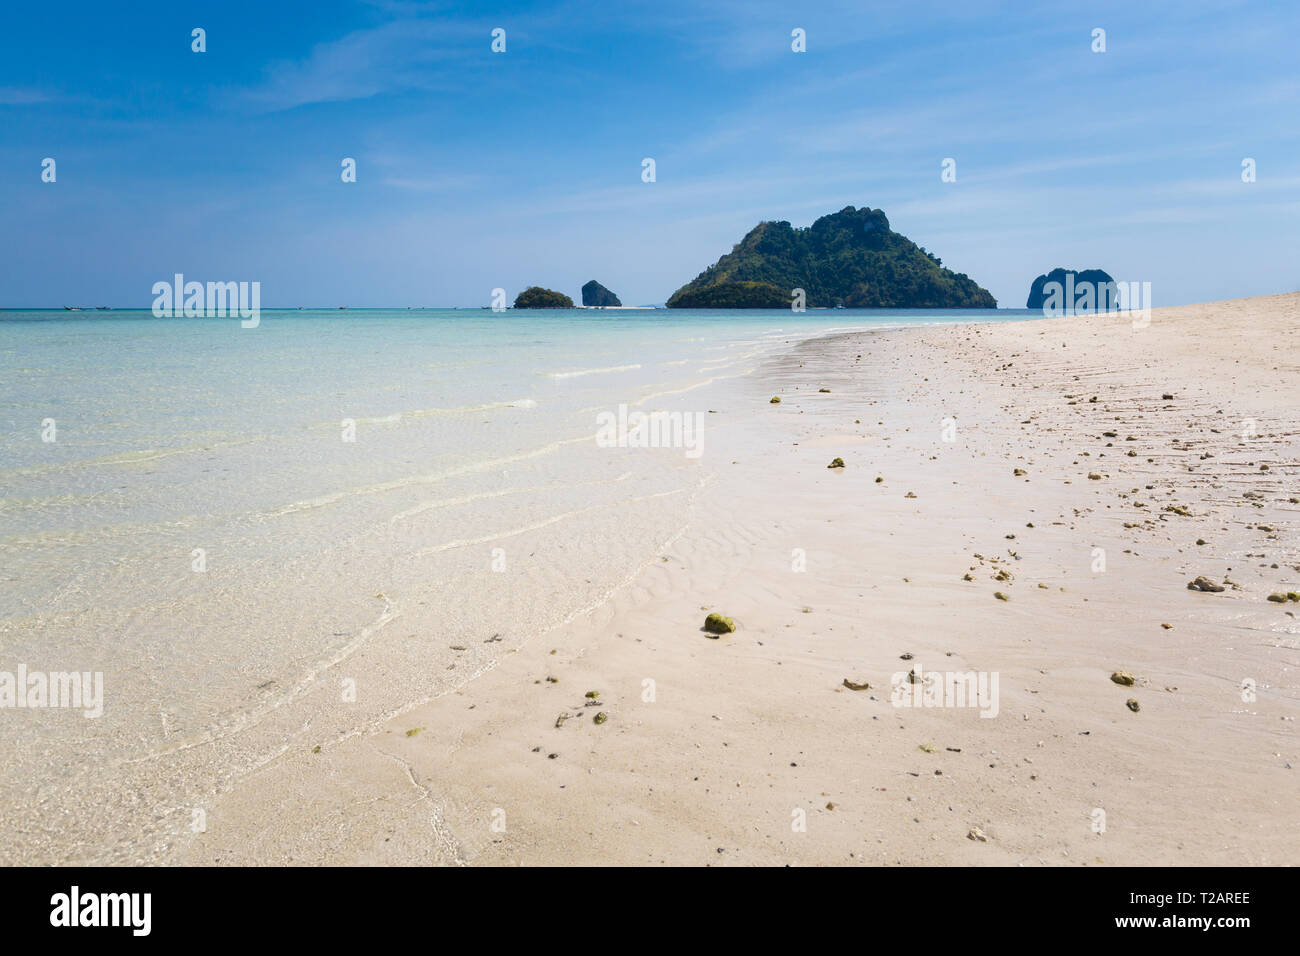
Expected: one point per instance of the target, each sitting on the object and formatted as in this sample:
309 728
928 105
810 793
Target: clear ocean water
182 510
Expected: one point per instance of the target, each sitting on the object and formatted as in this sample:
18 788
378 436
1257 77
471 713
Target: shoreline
735 740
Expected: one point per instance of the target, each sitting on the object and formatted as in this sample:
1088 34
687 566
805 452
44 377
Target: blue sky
477 170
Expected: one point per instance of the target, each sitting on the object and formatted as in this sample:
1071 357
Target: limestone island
595 295
849 259
535 297
1095 278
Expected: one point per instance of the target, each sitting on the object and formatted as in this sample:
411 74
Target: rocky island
850 258
595 295
1095 278
535 297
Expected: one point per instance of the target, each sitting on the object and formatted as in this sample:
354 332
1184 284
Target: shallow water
201 529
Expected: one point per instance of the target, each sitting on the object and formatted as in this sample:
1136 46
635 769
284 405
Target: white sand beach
714 751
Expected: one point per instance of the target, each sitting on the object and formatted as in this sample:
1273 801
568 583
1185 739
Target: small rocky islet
536 297
596 296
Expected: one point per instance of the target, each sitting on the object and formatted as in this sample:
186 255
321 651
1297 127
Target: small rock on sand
715 623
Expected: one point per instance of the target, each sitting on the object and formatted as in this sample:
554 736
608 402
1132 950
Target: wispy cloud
20 96
407 54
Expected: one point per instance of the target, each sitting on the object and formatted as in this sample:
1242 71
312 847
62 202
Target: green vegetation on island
535 297
850 258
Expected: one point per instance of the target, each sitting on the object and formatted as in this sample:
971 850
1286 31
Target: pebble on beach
715 623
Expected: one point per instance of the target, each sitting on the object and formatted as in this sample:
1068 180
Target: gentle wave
504 492
322 501
593 371
396 417
537 525
125 458
690 388
145 455
487 406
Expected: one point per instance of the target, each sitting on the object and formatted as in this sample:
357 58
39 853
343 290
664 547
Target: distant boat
101 308
73 308
343 308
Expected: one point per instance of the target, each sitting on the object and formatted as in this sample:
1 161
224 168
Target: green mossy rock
715 623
